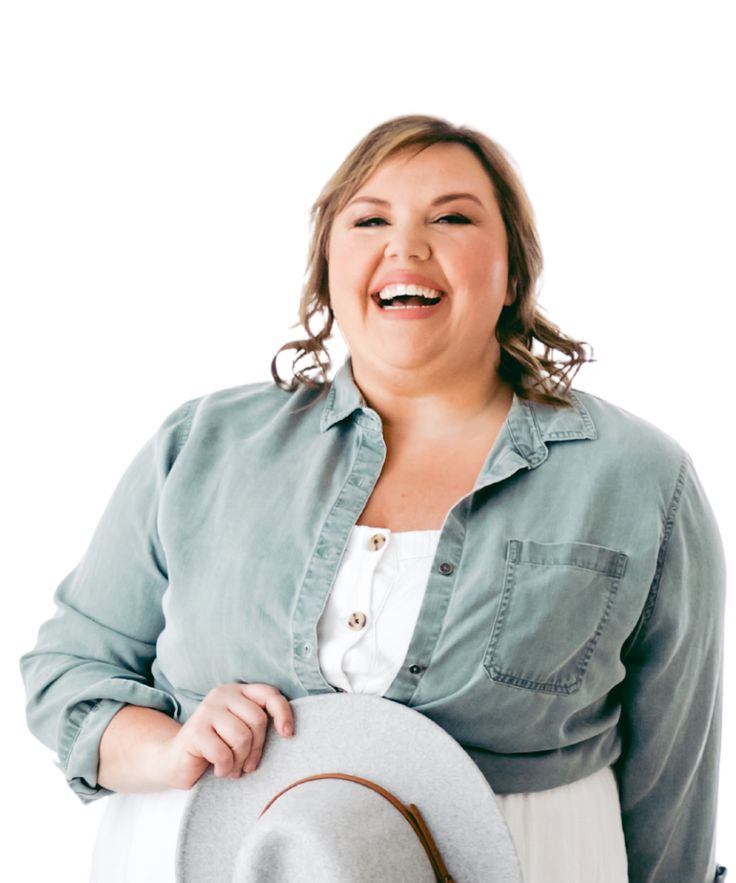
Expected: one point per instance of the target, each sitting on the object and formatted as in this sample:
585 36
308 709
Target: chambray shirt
572 617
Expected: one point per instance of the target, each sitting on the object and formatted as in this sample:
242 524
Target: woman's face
402 222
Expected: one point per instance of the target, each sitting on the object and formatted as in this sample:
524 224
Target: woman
448 524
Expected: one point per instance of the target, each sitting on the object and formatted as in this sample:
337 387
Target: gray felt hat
404 802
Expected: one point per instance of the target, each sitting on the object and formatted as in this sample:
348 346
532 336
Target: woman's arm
671 720
94 655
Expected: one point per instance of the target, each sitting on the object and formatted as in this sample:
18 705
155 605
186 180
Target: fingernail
288 730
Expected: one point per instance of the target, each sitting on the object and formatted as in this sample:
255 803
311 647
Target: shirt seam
191 409
670 518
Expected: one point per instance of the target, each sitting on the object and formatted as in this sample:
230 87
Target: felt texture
368 736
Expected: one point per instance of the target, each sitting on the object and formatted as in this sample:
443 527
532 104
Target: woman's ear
511 292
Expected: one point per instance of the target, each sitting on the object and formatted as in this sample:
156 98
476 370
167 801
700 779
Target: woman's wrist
131 750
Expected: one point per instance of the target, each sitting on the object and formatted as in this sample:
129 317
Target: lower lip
411 312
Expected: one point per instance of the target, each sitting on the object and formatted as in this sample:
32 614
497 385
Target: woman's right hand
227 729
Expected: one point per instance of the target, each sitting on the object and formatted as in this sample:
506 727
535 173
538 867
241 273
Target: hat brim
362 735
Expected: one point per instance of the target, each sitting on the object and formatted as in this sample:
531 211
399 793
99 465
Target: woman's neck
417 407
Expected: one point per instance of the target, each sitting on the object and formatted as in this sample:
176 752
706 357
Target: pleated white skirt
570 834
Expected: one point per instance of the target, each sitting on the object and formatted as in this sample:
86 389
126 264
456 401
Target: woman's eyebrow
447 197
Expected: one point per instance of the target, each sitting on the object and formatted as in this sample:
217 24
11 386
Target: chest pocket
556 600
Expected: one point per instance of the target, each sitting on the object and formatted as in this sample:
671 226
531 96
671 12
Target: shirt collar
343 398
530 424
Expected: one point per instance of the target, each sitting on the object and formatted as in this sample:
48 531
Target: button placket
362 612
368 452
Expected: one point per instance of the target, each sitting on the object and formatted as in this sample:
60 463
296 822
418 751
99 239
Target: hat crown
333 830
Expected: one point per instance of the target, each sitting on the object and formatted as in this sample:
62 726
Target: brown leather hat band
410 813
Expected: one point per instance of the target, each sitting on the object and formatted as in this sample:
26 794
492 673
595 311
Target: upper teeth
396 289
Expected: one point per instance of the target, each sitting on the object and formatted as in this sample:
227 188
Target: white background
159 161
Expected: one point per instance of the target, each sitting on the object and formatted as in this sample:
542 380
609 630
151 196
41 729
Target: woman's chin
396 362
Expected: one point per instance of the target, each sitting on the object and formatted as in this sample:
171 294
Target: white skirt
570 834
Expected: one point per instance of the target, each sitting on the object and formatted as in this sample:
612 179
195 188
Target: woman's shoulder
630 436
243 408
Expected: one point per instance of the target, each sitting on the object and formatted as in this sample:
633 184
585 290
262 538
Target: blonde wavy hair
538 377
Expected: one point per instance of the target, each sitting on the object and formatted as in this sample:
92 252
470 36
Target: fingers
244 738
224 742
275 703
232 724
258 697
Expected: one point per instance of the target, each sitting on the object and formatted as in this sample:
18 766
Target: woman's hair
538 377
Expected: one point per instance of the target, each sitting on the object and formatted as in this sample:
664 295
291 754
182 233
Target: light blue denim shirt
572 617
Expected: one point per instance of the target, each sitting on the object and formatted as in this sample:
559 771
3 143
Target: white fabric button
357 620
377 541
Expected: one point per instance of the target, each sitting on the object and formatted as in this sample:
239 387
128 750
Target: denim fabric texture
573 615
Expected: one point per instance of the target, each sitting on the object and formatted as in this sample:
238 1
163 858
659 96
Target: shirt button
415 669
376 541
357 621
446 568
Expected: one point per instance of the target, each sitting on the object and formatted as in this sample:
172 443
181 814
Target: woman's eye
460 219
455 219
366 222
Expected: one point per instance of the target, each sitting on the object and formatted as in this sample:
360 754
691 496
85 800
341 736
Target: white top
382 576
570 834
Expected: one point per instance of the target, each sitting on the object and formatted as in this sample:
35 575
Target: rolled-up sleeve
671 718
95 654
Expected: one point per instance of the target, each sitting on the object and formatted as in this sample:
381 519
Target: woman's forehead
428 173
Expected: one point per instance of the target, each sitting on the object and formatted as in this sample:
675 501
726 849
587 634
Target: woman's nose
405 243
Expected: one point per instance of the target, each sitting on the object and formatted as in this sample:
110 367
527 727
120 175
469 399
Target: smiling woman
420 184
447 524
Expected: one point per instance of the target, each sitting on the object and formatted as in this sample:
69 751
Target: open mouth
406 301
